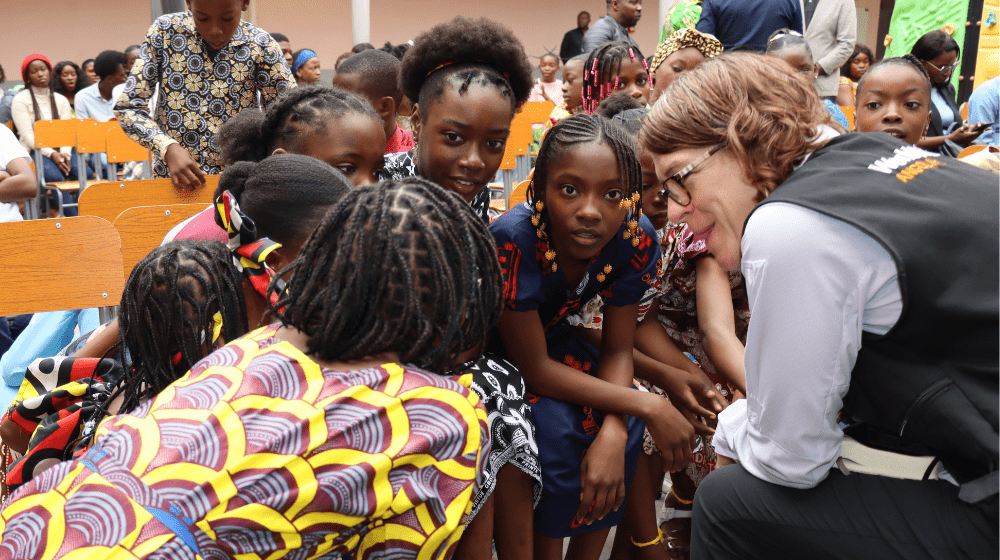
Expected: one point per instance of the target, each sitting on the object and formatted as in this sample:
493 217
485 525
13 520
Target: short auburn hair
751 104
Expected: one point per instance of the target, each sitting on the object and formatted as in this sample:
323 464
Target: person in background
362 47
286 47
548 88
572 43
622 14
340 59
677 55
97 101
88 69
793 48
306 67
572 91
851 72
374 74
68 80
131 55
748 23
939 54
227 61
984 107
831 28
3 75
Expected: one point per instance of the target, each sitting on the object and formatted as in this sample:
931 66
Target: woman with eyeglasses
940 55
871 271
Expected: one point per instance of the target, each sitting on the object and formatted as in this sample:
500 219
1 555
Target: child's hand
671 431
696 394
183 169
602 477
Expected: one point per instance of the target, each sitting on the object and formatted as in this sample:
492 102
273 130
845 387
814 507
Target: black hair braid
252 135
906 61
583 129
168 308
464 51
600 71
404 266
285 194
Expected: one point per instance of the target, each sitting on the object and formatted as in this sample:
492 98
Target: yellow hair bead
635 241
550 255
607 269
600 277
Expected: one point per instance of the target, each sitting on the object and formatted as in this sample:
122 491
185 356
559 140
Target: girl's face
801 61
673 67
309 72
721 200
88 69
548 67
633 78
353 143
68 77
653 205
573 84
895 100
583 193
38 74
859 65
461 141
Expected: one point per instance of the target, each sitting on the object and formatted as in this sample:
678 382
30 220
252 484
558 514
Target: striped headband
304 56
706 44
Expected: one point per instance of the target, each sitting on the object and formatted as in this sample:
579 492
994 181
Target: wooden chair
92 138
537 112
971 150
142 229
849 113
108 200
54 134
60 264
122 149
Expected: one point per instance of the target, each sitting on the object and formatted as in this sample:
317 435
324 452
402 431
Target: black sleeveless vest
930 383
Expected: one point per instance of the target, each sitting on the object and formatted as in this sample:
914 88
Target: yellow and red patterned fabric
258 452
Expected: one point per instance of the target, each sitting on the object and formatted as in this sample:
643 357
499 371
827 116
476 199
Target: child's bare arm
18 182
717 320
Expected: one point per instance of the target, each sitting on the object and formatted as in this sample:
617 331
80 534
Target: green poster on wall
912 18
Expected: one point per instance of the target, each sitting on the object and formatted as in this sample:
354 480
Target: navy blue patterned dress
564 430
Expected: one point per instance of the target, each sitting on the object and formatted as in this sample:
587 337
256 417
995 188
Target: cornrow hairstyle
859 49
378 72
286 195
616 103
600 71
584 129
252 135
168 314
55 83
404 266
463 52
785 38
906 61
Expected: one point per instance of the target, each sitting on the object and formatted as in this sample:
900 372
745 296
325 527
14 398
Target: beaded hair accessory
249 253
706 44
607 86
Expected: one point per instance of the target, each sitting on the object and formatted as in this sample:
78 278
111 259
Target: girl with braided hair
467 78
581 234
614 66
181 301
320 436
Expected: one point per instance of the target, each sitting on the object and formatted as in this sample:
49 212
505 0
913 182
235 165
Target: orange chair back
849 113
975 148
56 134
142 229
108 200
92 136
519 194
81 268
121 148
537 112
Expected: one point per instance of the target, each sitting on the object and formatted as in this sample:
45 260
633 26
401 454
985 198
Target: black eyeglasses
674 188
944 69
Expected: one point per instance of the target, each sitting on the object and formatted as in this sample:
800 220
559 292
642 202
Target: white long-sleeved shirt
23 114
814 284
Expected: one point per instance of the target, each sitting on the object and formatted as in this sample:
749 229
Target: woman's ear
415 123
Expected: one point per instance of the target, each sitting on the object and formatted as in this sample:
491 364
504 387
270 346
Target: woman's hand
695 394
965 134
63 161
602 476
183 169
672 432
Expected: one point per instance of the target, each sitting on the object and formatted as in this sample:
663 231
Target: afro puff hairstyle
464 51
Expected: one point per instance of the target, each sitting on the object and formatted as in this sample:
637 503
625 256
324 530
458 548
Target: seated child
374 74
321 436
